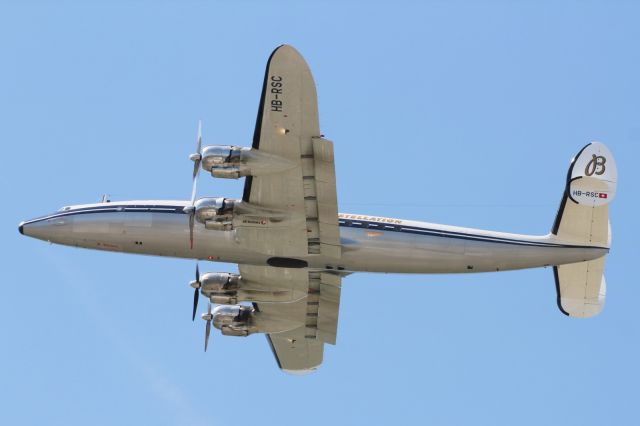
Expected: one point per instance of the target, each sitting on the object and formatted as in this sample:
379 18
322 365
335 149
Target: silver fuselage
373 244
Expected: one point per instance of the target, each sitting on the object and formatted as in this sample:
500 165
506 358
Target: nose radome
44 229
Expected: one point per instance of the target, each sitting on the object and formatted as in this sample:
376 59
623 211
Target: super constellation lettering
255 221
370 218
276 92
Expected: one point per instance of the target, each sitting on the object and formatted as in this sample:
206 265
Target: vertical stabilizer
583 219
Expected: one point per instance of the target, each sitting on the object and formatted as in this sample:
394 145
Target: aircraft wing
302 325
294 352
287 126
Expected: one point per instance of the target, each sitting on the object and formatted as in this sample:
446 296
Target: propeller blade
199 146
208 328
196 295
192 217
206 337
196 167
197 159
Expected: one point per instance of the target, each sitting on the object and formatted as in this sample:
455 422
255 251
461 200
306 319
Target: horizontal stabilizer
581 288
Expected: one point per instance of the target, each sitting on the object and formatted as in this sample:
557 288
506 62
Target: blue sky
451 112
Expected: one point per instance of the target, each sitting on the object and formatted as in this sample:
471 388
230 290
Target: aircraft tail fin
583 219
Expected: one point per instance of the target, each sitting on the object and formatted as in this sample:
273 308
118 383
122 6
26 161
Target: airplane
292 246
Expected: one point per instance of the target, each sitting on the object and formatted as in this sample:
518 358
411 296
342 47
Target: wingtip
300 372
285 46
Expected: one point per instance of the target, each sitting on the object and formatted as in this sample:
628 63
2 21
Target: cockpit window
65 208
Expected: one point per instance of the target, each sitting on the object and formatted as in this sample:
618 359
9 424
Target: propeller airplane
292 246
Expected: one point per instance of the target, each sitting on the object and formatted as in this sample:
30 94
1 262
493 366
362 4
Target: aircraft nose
41 229
48 228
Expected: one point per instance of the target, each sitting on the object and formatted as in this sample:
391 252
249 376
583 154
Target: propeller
196 157
196 284
207 317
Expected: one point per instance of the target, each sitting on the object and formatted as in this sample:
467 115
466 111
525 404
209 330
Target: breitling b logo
596 165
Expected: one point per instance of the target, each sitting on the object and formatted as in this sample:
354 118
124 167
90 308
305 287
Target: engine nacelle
221 287
233 320
219 282
232 331
233 162
215 213
224 299
223 161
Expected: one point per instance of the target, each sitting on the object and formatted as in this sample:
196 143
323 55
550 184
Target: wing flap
326 198
328 307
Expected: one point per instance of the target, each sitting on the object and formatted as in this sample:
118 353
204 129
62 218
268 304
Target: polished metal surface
234 320
208 208
215 155
147 227
233 162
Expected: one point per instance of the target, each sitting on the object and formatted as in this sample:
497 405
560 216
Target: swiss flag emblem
602 195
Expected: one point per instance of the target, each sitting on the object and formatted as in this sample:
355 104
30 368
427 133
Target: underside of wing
289 216
287 119
294 352
298 327
287 128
